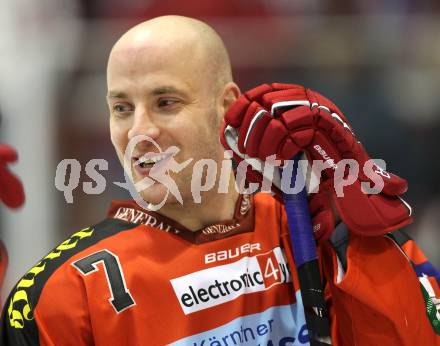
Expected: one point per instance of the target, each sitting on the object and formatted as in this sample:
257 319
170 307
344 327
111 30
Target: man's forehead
184 52
135 54
156 40
154 69
153 55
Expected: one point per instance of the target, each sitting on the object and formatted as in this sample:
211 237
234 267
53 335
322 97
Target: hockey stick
306 260
303 245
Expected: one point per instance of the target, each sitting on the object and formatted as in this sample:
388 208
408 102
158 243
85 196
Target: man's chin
156 197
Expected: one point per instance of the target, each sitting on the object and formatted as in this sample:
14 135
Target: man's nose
143 124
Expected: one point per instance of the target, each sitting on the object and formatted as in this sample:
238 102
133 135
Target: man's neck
214 207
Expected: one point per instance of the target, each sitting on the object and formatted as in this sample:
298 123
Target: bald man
212 267
170 79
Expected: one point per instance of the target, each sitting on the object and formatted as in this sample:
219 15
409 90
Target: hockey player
220 272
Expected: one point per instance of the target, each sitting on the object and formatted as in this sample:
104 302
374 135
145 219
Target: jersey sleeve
59 316
384 292
48 306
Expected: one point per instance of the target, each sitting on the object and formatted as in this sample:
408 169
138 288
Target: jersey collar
243 220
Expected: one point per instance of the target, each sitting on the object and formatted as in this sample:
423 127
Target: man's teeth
143 162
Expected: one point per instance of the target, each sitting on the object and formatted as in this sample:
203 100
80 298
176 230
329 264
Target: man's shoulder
267 207
26 293
266 199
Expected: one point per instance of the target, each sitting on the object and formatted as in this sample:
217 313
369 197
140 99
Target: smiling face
163 89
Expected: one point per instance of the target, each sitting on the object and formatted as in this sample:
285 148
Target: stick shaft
306 259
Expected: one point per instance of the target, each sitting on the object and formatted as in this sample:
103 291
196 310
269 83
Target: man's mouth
146 162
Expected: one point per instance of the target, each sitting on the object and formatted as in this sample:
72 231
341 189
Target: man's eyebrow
157 91
116 95
166 90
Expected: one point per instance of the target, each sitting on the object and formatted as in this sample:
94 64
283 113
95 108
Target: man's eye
120 108
166 102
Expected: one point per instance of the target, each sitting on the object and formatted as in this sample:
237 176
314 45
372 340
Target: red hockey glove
11 190
283 119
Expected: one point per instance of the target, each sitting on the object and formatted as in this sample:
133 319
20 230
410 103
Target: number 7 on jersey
121 298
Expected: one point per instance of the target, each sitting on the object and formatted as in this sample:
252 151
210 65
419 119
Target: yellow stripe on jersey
20 308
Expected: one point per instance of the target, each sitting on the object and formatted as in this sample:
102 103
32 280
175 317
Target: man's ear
231 92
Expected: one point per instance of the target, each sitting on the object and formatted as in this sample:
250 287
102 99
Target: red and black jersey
138 278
